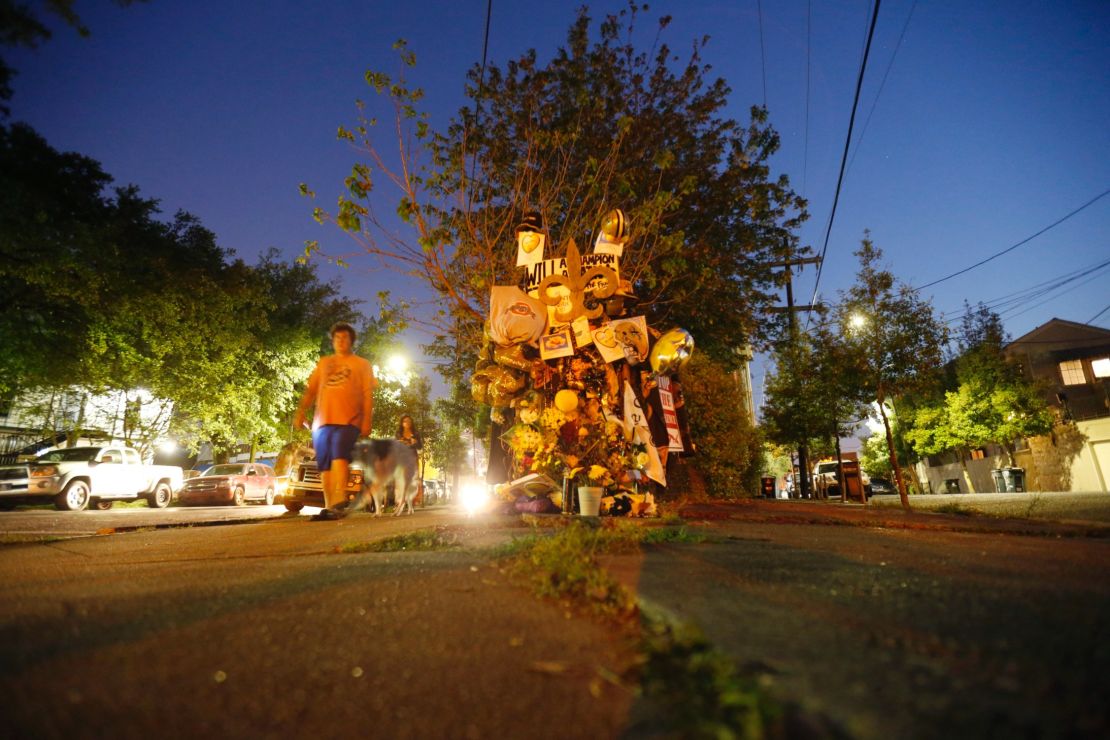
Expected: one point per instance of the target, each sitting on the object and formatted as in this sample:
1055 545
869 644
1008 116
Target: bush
729 455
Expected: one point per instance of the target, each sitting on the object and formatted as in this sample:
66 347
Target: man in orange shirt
342 389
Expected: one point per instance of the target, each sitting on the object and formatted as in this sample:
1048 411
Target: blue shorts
333 442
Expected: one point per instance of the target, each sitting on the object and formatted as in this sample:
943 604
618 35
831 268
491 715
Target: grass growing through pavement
695 690
565 565
423 540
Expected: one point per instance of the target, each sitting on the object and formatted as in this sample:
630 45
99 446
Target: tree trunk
803 481
1010 453
840 482
905 499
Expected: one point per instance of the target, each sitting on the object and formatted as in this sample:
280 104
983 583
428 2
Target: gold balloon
503 385
671 351
566 401
614 227
479 387
512 356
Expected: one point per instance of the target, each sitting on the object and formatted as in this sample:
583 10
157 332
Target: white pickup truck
80 477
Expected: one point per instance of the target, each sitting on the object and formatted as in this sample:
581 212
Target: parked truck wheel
75 497
269 497
100 504
161 497
238 496
293 506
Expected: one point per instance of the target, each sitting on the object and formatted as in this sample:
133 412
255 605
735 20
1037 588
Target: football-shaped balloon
671 351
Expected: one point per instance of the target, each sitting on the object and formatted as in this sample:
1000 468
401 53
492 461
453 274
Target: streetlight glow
397 364
857 321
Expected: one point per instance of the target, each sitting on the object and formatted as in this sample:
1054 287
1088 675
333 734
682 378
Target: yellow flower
597 472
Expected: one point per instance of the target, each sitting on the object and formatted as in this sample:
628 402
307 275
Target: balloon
479 387
566 401
515 316
503 385
614 226
512 356
671 351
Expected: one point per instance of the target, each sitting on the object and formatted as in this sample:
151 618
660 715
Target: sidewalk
1070 506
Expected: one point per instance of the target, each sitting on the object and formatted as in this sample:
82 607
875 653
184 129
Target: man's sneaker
327 515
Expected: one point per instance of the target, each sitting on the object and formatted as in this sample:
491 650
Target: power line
1046 300
889 66
1015 246
481 81
847 143
762 53
1100 313
1017 299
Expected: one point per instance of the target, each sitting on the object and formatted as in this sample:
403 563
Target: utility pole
792 310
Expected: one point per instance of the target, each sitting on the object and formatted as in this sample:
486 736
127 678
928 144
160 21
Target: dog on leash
385 460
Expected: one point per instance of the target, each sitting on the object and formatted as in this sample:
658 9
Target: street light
396 369
397 364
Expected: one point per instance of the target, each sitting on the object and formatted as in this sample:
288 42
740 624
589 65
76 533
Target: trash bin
767 487
1009 480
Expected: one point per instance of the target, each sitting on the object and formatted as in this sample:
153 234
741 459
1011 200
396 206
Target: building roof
1064 333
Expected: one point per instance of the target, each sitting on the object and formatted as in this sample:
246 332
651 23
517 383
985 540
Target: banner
670 416
545 268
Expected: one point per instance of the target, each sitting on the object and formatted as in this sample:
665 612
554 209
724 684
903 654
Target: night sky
993 121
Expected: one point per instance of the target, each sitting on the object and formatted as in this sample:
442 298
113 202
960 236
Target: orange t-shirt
343 387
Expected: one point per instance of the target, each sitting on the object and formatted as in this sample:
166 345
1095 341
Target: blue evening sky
992 123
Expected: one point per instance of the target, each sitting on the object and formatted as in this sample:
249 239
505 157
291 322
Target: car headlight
474 497
44 472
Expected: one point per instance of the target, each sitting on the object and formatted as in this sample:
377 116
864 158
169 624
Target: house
1072 361
37 420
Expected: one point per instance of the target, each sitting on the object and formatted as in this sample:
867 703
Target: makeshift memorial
568 373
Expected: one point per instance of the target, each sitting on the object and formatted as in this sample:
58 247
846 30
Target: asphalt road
883 624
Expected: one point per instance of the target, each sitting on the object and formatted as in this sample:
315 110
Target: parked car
80 477
232 483
432 492
881 487
304 487
14 482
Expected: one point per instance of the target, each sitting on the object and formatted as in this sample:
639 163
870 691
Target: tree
874 457
992 402
603 124
896 337
272 355
729 455
815 395
106 298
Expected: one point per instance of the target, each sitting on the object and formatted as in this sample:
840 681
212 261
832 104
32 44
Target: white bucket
589 500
